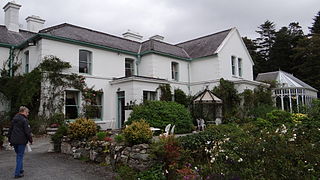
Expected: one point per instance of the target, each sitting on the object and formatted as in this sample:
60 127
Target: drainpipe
11 58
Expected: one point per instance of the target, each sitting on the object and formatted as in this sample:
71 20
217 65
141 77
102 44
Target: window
174 71
129 68
233 65
26 65
85 61
72 104
240 67
149 95
96 107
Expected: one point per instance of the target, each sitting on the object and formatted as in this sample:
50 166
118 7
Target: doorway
121 109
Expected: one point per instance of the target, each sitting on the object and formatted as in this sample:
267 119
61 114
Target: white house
125 68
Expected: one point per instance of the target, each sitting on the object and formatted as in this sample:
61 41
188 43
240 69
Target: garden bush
82 128
160 113
57 118
57 137
138 133
101 135
279 117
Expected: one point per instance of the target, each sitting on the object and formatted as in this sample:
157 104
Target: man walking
19 135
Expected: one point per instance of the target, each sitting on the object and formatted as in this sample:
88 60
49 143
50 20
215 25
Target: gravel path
41 165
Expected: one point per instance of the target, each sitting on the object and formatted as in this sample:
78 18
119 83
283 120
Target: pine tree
315 29
267 38
256 57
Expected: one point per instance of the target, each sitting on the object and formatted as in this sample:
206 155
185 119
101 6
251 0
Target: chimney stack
34 23
157 37
11 17
132 35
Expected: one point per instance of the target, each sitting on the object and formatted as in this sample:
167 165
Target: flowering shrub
82 128
298 117
138 132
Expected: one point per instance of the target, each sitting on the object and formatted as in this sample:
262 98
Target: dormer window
175 71
85 62
26 62
129 67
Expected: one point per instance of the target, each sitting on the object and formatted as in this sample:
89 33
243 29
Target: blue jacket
20 131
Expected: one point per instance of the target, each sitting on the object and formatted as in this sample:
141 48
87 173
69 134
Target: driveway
41 165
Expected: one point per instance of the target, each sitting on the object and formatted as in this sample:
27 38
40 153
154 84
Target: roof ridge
76 26
203 36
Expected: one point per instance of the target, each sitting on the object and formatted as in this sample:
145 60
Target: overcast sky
176 20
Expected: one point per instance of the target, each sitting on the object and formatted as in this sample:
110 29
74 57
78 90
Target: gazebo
291 93
208 106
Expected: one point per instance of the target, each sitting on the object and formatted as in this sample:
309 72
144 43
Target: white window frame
151 95
77 103
88 61
100 106
175 71
131 68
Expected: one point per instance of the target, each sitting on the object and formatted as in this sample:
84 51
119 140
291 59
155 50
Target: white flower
196 168
240 160
208 142
227 157
212 160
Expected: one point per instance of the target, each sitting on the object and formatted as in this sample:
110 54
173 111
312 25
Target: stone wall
137 156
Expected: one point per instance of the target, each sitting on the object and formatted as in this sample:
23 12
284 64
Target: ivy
166 94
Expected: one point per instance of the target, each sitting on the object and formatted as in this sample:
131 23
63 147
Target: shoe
21 172
20 176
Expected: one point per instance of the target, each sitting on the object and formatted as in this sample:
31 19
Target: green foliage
160 113
166 94
119 138
227 92
138 133
82 128
314 111
279 117
315 29
181 98
57 118
101 135
153 173
38 124
57 137
125 173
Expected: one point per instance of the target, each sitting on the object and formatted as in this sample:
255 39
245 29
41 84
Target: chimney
11 16
132 35
34 23
157 37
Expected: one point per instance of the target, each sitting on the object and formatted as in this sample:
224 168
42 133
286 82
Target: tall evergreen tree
315 29
266 40
256 57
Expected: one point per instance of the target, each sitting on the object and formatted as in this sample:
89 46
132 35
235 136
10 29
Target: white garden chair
167 129
172 129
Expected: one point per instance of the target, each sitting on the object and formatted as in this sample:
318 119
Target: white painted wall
235 47
4 56
204 69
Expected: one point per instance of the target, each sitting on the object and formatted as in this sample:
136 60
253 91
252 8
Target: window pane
174 71
240 66
71 104
84 61
129 68
233 65
26 68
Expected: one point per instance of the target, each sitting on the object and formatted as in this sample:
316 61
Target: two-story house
125 68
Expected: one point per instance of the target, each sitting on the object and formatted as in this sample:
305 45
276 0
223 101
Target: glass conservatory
291 93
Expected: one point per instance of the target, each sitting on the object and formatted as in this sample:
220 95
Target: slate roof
204 46
200 47
283 78
13 38
154 45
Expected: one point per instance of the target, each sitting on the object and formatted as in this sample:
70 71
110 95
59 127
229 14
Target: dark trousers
19 149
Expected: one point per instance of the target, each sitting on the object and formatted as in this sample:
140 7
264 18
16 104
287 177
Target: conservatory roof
285 80
207 97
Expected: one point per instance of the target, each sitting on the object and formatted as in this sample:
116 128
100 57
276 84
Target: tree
266 40
256 57
315 29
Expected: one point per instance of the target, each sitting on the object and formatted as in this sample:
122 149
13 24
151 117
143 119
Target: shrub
154 173
38 124
101 135
119 138
56 138
57 118
181 98
159 114
138 132
279 117
82 128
